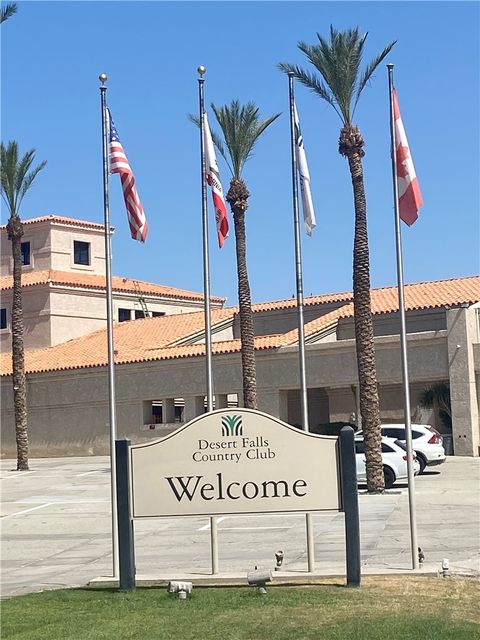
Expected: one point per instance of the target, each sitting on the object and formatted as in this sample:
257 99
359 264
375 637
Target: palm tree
341 83
241 127
437 397
7 11
17 177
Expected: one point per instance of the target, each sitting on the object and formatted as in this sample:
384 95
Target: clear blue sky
53 52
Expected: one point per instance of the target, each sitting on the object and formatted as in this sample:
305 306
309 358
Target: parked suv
394 460
427 443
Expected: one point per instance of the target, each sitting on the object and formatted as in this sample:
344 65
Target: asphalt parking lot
56 529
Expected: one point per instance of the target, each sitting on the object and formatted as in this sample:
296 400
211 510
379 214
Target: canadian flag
409 196
212 175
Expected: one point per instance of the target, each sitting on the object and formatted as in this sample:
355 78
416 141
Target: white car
427 443
394 459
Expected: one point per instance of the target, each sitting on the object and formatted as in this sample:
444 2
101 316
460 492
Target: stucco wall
61 249
51 247
462 327
36 315
54 314
68 411
388 324
283 320
39 237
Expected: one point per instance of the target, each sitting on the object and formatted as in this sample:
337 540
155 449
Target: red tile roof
417 296
320 324
154 338
139 340
307 301
62 220
90 281
428 295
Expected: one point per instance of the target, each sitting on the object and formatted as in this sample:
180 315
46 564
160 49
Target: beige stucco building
160 366
64 284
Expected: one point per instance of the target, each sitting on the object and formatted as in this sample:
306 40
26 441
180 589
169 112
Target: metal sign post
124 518
350 505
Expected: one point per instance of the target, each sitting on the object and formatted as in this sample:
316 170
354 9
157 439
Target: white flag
302 167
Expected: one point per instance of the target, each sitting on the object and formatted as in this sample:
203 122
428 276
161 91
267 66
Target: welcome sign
235 461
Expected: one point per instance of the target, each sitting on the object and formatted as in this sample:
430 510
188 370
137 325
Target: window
3 318
81 252
359 448
139 313
25 246
387 448
394 432
124 315
157 411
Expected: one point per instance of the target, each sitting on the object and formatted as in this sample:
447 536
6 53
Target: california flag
212 175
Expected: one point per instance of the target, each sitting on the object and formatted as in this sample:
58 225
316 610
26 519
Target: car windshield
401 444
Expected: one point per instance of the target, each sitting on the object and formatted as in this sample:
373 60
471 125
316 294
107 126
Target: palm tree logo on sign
232 426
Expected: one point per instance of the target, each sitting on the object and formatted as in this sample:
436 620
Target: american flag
119 164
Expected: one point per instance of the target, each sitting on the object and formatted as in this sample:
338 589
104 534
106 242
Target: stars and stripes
212 175
304 174
409 196
118 163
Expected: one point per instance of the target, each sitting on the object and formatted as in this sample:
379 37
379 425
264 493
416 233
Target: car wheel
422 462
389 476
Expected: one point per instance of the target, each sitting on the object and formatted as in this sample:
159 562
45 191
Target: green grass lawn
403 608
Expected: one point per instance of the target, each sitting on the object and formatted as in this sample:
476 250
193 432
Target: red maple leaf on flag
402 156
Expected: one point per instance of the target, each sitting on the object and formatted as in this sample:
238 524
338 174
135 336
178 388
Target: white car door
360 460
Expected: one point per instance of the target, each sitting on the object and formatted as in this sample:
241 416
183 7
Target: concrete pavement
56 530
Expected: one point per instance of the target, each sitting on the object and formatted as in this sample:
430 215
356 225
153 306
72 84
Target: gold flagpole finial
201 69
103 78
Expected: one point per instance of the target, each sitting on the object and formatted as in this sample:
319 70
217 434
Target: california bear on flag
212 175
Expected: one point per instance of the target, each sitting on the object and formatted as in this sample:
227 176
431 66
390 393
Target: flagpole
206 266
301 329
111 363
403 333
206 295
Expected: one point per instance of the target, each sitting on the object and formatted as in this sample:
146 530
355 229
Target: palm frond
311 81
217 141
16 175
7 11
8 170
370 68
194 119
23 167
28 181
337 61
241 128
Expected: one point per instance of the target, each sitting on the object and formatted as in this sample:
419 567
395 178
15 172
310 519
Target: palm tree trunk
237 197
351 143
15 233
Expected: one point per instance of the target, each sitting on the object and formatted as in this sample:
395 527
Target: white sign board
235 461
